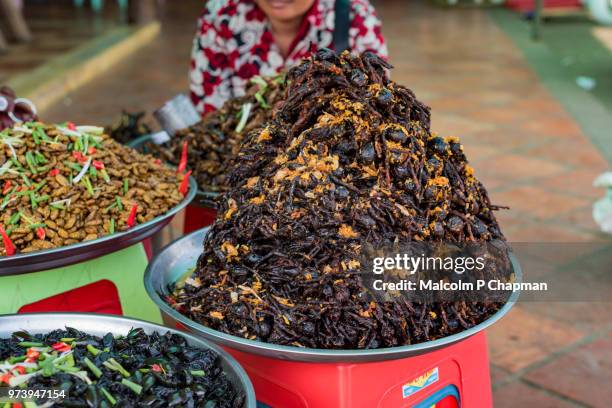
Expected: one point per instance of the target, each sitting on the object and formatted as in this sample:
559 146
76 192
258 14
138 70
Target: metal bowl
203 198
179 257
83 251
99 325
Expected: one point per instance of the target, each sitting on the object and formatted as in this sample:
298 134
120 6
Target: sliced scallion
108 396
30 344
14 218
94 351
244 116
88 185
92 367
132 386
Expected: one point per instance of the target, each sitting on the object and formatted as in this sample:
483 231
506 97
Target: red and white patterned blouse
234 43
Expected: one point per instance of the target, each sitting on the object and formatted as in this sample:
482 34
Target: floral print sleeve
234 43
211 64
365 32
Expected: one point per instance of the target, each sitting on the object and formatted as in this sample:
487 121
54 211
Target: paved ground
577 45
528 151
145 81
55 30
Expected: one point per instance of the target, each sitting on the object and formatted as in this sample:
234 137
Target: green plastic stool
124 268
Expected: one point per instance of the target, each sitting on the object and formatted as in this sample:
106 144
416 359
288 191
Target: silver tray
180 256
83 251
203 198
99 325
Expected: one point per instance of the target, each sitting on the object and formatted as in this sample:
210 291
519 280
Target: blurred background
526 85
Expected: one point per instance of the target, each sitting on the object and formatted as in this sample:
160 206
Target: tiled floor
532 157
153 75
55 30
528 151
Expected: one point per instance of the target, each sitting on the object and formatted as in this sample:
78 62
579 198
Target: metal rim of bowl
311 354
70 319
118 236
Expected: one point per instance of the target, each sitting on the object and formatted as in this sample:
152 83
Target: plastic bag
602 209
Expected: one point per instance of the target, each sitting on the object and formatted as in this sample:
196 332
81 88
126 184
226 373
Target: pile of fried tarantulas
347 160
211 144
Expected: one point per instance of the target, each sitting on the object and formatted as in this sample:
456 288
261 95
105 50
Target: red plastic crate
97 297
197 217
457 375
461 379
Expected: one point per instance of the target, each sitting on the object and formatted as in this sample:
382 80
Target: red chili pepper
92 150
79 156
32 355
5 378
131 221
40 233
184 187
97 164
7 187
20 369
9 247
70 126
183 163
61 347
156 368
54 172
17 405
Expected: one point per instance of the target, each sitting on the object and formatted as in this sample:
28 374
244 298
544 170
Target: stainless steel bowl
83 251
177 258
99 325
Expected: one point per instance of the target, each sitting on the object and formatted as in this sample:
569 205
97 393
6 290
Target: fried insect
213 143
63 184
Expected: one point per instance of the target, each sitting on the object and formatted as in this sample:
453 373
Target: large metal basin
99 325
71 254
177 258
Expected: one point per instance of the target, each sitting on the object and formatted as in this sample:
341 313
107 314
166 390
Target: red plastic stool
98 297
197 217
111 283
529 5
454 376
